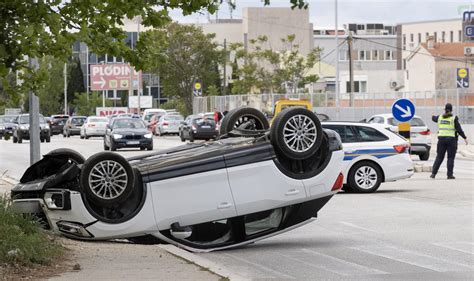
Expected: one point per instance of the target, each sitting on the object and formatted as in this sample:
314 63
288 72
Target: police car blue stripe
378 153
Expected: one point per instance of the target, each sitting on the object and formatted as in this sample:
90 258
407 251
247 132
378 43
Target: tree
51 88
75 81
86 106
40 28
262 69
182 55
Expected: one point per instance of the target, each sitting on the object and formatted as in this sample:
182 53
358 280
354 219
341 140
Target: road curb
202 262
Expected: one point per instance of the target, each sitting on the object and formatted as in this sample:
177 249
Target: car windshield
151 114
200 121
174 117
8 118
128 124
98 120
25 119
415 122
78 121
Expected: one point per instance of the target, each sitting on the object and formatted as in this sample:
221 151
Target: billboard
107 111
114 77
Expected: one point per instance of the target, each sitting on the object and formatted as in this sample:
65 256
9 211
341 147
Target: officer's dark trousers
445 144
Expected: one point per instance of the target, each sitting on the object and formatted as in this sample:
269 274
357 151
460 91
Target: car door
262 186
193 192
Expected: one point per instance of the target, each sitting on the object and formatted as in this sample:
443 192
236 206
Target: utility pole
351 70
34 129
225 68
87 72
138 84
65 88
337 61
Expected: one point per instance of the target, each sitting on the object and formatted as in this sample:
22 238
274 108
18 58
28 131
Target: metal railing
365 104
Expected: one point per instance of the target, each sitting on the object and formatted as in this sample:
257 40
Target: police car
372 155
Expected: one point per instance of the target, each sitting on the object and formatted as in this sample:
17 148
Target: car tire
48 138
107 179
41 139
296 133
150 147
20 139
68 134
364 177
15 139
181 137
191 137
69 153
424 156
82 137
86 136
105 146
142 148
112 146
253 118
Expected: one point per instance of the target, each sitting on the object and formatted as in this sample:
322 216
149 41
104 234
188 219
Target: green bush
22 240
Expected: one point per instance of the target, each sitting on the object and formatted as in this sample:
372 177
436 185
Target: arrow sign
101 83
403 110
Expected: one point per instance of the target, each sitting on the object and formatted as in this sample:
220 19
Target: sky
354 11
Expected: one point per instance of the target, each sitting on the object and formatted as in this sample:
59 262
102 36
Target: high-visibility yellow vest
446 127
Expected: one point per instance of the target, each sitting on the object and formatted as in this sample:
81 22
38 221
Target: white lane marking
317 266
356 226
352 268
262 267
413 258
455 246
404 199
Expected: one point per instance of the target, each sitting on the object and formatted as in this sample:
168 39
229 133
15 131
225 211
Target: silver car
94 126
168 124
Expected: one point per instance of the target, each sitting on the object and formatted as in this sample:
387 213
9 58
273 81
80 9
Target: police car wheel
365 177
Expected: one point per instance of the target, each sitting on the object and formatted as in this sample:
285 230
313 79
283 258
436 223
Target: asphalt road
412 229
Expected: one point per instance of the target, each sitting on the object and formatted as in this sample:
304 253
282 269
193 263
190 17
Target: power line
412 51
330 52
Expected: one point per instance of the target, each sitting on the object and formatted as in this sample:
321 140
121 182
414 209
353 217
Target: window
415 122
459 36
404 64
367 55
436 37
427 36
404 41
342 55
388 55
363 86
412 39
110 58
451 36
419 38
375 55
443 36
345 132
359 86
381 55
361 55
369 134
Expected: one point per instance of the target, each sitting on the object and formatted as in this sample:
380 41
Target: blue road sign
403 110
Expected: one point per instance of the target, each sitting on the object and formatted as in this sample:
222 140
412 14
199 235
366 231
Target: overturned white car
253 183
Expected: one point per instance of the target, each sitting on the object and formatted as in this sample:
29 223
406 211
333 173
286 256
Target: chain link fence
364 104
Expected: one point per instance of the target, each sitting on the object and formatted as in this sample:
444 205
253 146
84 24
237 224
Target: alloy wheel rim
299 133
366 177
108 179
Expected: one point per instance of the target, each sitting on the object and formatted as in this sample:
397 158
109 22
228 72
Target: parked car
168 124
73 126
22 129
372 155
197 127
198 197
420 135
56 123
148 114
7 125
153 122
94 126
127 132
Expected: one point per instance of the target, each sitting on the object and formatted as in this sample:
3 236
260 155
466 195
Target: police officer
448 131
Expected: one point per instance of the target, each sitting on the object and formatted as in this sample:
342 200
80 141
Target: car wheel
105 146
48 138
142 148
364 177
15 139
191 137
107 179
112 146
424 156
150 147
82 137
246 118
41 139
20 139
64 134
68 134
181 137
296 133
69 153
87 137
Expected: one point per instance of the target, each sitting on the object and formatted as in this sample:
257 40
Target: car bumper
204 135
25 134
418 148
133 143
95 132
56 129
74 131
397 167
